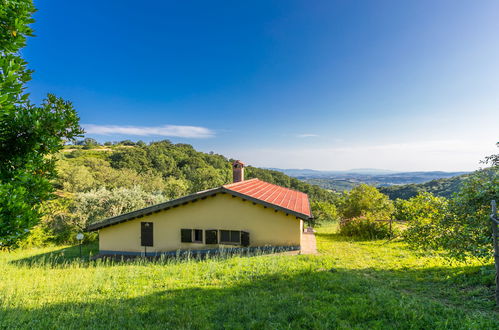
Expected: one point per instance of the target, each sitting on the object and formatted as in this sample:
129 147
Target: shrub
323 212
364 228
366 201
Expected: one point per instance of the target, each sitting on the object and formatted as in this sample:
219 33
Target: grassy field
370 284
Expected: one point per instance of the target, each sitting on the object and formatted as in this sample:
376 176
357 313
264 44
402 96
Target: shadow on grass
66 257
60 257
316 299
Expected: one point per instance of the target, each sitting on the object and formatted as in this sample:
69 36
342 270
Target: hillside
441 187
161 166
346 180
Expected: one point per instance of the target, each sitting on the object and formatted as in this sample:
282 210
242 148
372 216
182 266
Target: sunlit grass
375 284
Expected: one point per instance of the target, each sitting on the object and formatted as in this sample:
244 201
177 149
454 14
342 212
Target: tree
465 229
366 201
492 160
425 212
127 143
324 212
96 205
29 134
90 143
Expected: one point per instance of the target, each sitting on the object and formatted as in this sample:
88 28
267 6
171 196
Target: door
146 234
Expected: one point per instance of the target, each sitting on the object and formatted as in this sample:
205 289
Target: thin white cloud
306 135
166 130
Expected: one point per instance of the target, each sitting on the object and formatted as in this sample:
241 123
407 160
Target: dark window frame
147 234
185 235
211 236
230 233
197 231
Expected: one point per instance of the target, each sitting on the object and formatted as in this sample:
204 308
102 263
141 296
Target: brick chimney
238 171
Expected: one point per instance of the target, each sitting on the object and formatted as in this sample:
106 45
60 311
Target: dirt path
308 243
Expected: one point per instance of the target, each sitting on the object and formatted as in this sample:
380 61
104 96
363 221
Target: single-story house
246 213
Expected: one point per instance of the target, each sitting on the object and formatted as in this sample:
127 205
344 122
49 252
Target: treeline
95 182
446 187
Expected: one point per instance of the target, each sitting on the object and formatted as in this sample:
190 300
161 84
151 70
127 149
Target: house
245 213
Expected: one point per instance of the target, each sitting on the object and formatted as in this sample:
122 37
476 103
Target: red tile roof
273 194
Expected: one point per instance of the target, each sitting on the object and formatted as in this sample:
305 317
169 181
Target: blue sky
292 84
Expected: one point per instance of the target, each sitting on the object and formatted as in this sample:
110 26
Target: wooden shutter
146 234
186 235
245 238
211 236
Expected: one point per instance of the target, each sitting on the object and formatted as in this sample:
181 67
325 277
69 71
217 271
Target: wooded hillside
442 187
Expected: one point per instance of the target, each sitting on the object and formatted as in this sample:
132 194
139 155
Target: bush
323 212
364 228
367 202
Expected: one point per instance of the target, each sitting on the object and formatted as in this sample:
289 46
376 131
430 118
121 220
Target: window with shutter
230 236
211 236
186 235
146 234
245 238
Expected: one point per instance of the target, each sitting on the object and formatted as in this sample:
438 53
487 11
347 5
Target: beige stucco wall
222 211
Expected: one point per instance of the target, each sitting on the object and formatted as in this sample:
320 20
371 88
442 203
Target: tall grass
368 284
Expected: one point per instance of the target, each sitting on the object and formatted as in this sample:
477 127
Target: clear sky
401 85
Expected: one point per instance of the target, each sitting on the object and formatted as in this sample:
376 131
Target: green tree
96 205
324 212
133 158
366 201
424 213
175 188
29 134
464 230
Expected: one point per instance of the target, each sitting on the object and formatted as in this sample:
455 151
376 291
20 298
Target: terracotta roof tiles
273 194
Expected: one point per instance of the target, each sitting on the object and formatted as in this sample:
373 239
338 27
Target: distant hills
395 184
309 172
441 187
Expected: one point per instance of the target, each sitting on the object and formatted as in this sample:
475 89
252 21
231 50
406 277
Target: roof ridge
240 182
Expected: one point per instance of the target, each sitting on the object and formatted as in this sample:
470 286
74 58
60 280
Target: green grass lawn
369 284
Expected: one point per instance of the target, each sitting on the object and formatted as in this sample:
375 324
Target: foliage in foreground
463 228
29 134
369 284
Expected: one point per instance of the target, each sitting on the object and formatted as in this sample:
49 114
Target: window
191 235
245 238
186 235
198 236
230 236
146 233
211 236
